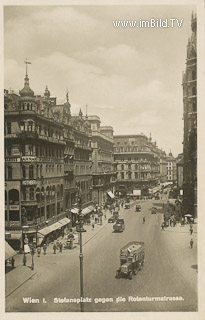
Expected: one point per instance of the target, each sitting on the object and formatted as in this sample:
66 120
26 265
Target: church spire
26 91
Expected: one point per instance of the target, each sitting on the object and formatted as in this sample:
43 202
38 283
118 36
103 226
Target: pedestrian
44 249
24 259
93 226
12 262
60 247
39 251
54 248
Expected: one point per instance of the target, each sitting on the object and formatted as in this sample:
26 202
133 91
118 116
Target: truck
119 226
132 257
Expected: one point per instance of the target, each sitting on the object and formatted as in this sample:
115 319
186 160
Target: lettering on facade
28 182
12 159
14 223
14 207
29 159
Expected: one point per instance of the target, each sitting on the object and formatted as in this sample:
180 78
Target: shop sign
14 207
12 159
28 159
14 223
28 182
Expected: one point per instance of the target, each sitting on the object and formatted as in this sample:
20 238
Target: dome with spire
47 92
26 91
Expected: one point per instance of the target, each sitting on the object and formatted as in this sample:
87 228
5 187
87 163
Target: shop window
9 172
24 194
31 172
32 194
24 172
8 127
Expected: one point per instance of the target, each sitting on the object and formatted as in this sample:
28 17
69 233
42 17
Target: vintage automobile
138 208
111 219
119 226
153 210
127 206
131 259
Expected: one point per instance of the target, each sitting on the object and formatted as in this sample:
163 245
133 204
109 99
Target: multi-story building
189 84
34 161
82 159
179 165
137 162
103 161
171 168
47 164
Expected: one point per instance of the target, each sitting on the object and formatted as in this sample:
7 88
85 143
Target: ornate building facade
189 84
47 163
103 161
137 162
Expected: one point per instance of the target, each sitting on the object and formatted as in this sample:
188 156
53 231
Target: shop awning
110 194
9 251
50 228
91 208
74 210
86 211
64 221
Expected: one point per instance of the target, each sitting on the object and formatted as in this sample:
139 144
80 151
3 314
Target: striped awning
50 228
9 251
64 221
110 194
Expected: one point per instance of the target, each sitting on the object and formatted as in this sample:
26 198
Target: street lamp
80 230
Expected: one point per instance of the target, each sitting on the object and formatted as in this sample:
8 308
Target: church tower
189 84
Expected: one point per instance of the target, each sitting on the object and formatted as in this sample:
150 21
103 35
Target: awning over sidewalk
64 221
9 251
110 194
74 210
50 228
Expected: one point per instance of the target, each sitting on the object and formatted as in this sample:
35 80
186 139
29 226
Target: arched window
38 195
13 197
42 193
47 194
24 194
24 172
31 193
9 172
31 172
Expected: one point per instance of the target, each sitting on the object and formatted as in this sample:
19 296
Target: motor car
119 226
154 210
111 220
138 208
127 205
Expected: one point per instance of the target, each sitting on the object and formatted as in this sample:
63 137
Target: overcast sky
130 77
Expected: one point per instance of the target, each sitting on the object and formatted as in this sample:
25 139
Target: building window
9 172
24 194
31 193
193 91
8 127
30 172
24 172
193 75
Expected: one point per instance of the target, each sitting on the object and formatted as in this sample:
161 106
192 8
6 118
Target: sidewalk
178 243
20 274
